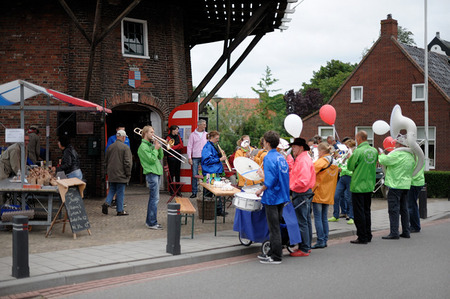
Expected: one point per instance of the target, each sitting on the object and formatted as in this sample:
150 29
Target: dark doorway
131 116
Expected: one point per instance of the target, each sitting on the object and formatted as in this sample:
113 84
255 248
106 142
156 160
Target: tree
329 78
303 104
405 36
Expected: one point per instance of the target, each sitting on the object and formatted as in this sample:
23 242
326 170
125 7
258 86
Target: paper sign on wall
14 135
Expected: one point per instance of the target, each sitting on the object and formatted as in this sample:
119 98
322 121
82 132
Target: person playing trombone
150 153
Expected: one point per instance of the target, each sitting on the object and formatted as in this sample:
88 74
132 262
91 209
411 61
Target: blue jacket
276 179
211 160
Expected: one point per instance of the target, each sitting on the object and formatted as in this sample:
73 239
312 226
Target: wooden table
218 193
18 191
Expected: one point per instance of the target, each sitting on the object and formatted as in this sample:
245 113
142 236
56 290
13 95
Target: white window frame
369 131
414 92
324 137
145 38
353 98
431 142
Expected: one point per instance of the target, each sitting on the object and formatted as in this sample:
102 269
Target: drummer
276 194
244 150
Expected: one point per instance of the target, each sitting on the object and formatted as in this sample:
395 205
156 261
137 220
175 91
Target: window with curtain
356 94
418 92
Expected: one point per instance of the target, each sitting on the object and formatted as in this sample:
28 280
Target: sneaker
351 221
105 208
123 213
263 256
299 253
269 260
156 226
194 195
333 219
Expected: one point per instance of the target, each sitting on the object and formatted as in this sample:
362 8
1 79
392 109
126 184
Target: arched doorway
131 116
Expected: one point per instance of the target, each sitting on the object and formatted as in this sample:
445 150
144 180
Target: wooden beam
74 19
117 21
87 86
246 30
224 79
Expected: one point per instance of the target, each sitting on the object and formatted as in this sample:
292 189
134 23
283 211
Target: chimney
438 35
389 27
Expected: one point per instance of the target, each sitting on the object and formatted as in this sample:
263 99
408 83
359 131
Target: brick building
132 56
392 73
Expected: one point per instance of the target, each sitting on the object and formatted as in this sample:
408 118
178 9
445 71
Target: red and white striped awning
10 94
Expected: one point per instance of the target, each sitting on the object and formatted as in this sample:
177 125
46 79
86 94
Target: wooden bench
186 210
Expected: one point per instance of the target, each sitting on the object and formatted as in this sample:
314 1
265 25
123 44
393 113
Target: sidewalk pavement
56 268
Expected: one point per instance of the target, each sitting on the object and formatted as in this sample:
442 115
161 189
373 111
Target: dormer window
418 92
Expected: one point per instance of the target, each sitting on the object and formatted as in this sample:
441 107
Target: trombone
166 146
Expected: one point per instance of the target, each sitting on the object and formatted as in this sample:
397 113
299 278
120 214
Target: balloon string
336 133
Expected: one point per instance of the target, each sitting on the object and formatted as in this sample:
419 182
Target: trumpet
223 154
166 146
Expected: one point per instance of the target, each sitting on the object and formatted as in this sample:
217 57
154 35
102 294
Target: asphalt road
406 268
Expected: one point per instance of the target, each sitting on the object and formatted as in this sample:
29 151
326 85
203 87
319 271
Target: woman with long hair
326 179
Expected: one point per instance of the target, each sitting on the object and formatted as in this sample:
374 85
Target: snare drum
251 189
247 201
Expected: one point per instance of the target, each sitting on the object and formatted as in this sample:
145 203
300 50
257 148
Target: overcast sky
320 30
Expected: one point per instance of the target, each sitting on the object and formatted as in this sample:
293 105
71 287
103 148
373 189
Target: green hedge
438 184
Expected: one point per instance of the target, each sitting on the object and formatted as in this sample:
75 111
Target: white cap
121 133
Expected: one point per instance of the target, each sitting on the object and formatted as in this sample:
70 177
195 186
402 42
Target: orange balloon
328 114
389 143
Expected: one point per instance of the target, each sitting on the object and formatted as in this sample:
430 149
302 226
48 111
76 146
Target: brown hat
300 142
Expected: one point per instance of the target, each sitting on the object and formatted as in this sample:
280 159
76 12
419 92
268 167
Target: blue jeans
343 192
398 206
195 163
119 190
153 181
413 208
302 205
75 174
321 222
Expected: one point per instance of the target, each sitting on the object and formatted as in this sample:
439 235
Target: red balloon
328 114
389 143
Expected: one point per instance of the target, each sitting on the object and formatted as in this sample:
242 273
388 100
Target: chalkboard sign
75 210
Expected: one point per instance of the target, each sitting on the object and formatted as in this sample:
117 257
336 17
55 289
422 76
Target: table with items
219 193
25 200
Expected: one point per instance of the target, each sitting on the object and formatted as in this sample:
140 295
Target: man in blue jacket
276 194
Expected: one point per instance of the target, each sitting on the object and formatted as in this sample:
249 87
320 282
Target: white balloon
293 125
380 127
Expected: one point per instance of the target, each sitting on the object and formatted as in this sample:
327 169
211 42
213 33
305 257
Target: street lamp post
217 100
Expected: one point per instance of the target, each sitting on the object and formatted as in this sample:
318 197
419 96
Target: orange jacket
326 181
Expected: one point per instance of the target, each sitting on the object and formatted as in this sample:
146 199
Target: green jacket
400 166
150 158
363 163
344 170
419 179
